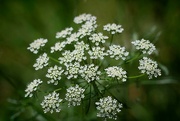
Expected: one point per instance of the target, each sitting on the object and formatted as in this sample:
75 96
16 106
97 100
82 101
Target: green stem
53 59
57 89
89 102
96 89
133 77
112 36
137 55
109 92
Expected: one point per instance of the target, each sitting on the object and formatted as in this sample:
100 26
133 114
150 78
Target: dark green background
23 21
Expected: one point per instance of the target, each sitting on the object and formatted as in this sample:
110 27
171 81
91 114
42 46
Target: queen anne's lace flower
87 29
72 38
150 67
72 70
81 46
51 103
108 108
67 57
90 72
84 18
41 62
113 28
32 87
117 52
64 33
35 46
59 46
117 72
144 45
74 95
78 55
98 38
97 52
54 73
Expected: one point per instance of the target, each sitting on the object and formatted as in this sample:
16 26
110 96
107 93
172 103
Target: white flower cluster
113 28
97 52
51 103
90 72
144 45
108 108
72 70
32 87
74 95
84 18
84 56
117 72
35 46
150 67
64 33
88 24
54 73
117 52
58 46
98 38
41 62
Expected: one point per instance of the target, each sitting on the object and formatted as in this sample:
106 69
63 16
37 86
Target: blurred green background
23 21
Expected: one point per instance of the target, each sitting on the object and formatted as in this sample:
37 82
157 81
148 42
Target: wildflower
74 95
113 28
64 33
54 73
150 67
81 46
90 72
72 38
67 57
59 46
97 52
32 87
117 52
35 46
51 103
117 72
72 70
87 29
144 45
84 18
98 38
78 55
108 108
41 62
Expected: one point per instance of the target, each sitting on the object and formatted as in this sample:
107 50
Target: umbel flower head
108 108
51 103
144 45
35 46
117 72
41 62
113 28
54 74
117 52
32 87
86 56
74 95
150 67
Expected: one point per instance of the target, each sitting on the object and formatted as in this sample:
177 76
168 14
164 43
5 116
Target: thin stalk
89 102
112 36
96 89
133 77
133 58
53 59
